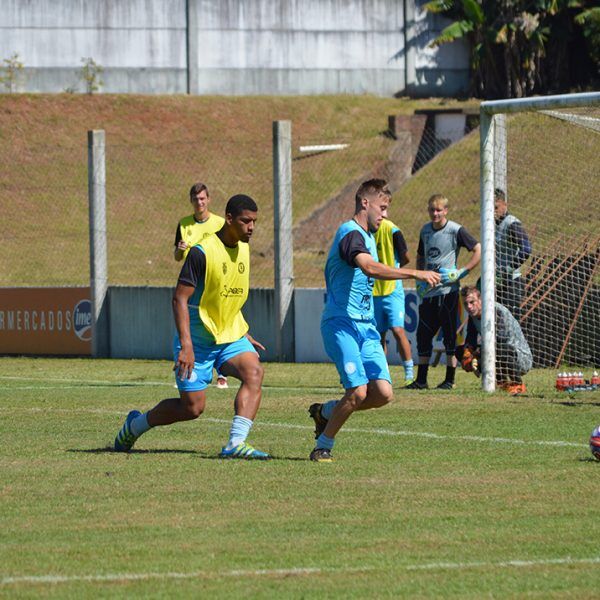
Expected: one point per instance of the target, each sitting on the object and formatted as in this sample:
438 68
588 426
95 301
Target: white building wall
233 47
141 44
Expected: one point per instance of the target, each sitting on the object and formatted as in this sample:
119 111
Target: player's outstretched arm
369 266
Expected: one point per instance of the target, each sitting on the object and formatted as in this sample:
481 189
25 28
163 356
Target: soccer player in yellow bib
211 331
191 230
388 296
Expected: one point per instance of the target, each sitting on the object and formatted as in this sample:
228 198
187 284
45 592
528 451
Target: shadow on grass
111 450
199 453
573 403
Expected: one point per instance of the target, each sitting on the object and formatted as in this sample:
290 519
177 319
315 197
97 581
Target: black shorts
436 312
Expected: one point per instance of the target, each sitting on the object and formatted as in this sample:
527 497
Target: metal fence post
98 245
284 243
488 264
500 172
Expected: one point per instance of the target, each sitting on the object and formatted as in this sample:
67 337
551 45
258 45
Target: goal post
542 258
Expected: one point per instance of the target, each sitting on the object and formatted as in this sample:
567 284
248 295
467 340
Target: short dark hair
197 188
238 203
500 194
469 289
369 188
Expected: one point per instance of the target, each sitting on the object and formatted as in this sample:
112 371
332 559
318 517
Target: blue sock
409 372
240 428
140 425
324 442
327 409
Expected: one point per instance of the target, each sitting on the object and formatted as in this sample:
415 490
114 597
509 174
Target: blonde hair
438 199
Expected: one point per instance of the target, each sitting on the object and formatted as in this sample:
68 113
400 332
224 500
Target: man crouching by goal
513 356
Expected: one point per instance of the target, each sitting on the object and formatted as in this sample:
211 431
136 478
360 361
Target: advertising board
55 321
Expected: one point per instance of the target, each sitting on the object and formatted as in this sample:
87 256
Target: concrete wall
141 323
298 47
141 44
233 46
307 320
432 70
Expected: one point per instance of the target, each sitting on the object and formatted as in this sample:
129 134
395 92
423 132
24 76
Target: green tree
11 73
521 47
90 75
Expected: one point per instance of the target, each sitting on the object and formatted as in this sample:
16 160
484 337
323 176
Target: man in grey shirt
440 242
513 355
512 250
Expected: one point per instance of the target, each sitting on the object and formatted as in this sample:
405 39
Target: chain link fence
44 189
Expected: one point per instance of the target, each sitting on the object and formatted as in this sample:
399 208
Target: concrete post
410 49
284 243
191 7
98 244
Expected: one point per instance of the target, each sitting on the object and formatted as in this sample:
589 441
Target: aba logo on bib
82 320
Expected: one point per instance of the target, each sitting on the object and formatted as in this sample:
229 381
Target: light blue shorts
207 357
389 310
355 348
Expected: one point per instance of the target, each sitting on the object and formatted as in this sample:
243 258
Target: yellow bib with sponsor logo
226 286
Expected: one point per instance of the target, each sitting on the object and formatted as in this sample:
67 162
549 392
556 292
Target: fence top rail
492 107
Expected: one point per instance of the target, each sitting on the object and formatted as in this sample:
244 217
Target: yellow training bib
226 285
387 256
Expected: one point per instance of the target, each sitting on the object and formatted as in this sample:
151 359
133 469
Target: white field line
298 572
425 434
383 432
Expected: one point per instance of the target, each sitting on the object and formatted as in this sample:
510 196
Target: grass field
438 495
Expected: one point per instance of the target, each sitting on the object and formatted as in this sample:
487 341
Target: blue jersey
349 290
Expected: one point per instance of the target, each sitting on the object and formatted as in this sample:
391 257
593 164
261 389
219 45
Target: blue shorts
355 348
205 357
389 310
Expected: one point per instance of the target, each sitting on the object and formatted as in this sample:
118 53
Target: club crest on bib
433 253
241 267
224 268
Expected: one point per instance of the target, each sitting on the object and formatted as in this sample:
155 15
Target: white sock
140 425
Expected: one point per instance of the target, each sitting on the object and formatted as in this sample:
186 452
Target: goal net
540 206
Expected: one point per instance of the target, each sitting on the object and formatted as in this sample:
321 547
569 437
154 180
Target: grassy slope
156 147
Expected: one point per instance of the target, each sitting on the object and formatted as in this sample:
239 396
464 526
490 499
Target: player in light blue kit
348 326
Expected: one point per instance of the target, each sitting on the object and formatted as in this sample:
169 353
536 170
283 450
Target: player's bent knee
194 410
253 375
383 394
358 396
191 406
